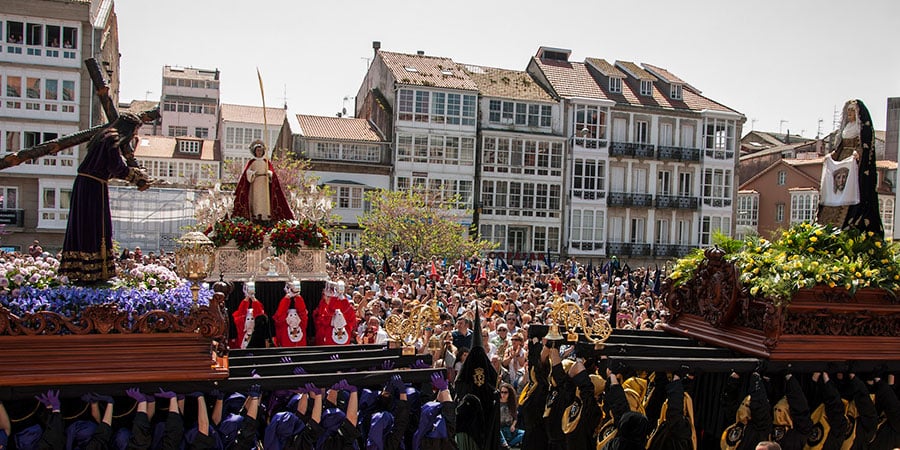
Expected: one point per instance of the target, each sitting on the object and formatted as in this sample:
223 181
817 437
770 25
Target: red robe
279 209
325 312
283 335
240 316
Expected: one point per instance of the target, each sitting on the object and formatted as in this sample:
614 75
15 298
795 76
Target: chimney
420 52
787 137
376 45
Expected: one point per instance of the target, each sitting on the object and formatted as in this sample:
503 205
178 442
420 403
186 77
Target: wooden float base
108 358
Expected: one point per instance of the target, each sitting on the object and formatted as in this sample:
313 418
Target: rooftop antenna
147 94
819 129
284 96
752 124
781 125
368 61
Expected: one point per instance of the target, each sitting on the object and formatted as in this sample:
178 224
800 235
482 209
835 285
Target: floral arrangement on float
35 300
310 205
806 255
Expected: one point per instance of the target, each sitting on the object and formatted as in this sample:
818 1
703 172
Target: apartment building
348 155
189 102
46 94
427 107
519 170
238 126
651 160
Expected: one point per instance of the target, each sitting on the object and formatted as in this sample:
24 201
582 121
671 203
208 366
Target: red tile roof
663 74
605 67
635 71
252 114
570 79
164 147
505 83
338 128
424 70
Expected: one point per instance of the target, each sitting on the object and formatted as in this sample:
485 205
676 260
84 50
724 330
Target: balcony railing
663 250
682 250
640 249
676 202
717 202
624 199
632 149
12 217
618 248
678 153
719 154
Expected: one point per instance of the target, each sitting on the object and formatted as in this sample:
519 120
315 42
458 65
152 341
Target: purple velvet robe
87 249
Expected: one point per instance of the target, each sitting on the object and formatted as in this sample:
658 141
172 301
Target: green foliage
807 255
416 224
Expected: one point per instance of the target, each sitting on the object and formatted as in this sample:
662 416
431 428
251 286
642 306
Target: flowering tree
416 224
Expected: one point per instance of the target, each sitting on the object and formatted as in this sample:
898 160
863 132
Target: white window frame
589 126
5 202
638 231
675 91
748 210
586 229
54 216
646 88
886 206
804 206
711 224
779 212
664 182
685 184
589 179
782 177
642 131
615 85
663 232
451 108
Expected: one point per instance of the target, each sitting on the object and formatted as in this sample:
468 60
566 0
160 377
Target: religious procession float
90 321
817 292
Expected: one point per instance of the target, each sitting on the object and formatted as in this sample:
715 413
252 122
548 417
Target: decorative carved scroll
207 321
718 294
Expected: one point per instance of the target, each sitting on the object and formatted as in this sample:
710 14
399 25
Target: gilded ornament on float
404 330
570 318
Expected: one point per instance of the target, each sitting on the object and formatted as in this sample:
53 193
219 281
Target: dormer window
185 146
675 92
615 84
646 87
411 69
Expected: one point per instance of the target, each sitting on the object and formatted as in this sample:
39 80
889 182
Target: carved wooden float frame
104 346
817 324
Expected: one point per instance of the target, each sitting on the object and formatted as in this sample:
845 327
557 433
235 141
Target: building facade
238 126
46 94
651 161
189 102
348 155
431 107
519 164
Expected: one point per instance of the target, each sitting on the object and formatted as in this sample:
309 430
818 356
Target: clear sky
772 60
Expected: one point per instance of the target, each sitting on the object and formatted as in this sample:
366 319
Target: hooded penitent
478 378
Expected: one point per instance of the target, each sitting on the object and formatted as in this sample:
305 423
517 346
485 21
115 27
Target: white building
348 155
189 102
45 93
644 146
239 125
427 107
520 164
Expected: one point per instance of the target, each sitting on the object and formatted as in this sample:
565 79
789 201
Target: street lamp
194 259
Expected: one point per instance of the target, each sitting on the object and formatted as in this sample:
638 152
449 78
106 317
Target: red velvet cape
279 209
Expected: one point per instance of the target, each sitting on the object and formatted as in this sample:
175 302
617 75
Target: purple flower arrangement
29 285
70 301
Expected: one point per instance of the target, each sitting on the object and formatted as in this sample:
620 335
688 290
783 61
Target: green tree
416 224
